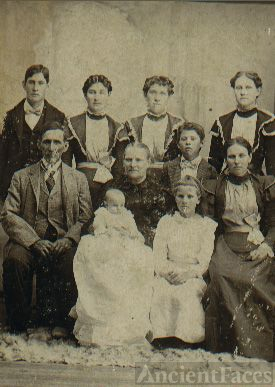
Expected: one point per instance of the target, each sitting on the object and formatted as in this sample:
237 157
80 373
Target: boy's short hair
35 69
191 126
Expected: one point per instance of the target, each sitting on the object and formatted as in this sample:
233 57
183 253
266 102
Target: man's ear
24 85
66 146
39 144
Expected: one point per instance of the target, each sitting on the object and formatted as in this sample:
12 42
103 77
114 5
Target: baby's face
115 205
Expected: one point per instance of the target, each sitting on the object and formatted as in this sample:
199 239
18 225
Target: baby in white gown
114 272
114 219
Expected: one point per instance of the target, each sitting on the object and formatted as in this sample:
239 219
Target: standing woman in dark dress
94 140
257 126
241 293
155 127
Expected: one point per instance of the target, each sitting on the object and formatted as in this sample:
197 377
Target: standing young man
22 124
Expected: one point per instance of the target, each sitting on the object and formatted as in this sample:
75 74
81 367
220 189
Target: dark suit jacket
12 156
221 132
172 172
21 205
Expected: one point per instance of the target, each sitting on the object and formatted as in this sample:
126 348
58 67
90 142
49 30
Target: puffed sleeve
67 156
216 153
207 238
160 246
7 137
207 203
122 139
258 155
269 210
172 149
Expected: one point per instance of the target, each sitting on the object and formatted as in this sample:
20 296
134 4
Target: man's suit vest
29 143
50 209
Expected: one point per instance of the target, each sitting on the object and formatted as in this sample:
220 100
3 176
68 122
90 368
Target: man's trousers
56 290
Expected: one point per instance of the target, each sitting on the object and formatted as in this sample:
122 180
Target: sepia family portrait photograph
137 193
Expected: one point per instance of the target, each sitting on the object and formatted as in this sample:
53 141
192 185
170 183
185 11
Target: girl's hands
179 277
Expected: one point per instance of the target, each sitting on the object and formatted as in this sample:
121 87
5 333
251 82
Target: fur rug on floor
20 348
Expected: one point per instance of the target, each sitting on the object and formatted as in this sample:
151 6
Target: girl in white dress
183 246
114 273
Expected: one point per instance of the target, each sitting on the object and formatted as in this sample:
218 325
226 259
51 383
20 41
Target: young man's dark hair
35 69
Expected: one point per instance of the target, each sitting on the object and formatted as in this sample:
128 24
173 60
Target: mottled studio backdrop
199 45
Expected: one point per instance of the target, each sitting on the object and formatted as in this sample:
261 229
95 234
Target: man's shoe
41 334
60 333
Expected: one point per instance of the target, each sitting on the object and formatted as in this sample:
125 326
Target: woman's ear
198 200
259 91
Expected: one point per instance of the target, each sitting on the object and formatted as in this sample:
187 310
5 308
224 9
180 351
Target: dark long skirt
240 313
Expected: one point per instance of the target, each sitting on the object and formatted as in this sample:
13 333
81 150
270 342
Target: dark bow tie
93 116
188 164
248 113
156 118
36 112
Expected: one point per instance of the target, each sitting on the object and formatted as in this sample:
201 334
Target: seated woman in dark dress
241 294
144 197
155 127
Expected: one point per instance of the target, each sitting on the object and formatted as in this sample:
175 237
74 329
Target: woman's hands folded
261 252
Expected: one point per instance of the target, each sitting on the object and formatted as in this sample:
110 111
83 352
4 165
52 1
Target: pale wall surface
199 45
